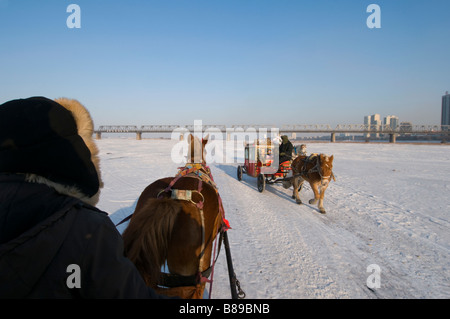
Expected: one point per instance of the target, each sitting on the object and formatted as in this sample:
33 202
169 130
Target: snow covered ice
389 207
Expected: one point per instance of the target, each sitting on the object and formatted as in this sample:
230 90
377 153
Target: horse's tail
147 237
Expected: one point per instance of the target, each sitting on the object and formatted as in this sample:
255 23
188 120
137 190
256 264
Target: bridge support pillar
138 135
98 135
392 138
333 137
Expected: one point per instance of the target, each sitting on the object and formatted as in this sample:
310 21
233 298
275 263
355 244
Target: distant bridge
368 130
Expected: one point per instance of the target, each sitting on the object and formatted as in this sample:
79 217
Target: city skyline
231 62
394 121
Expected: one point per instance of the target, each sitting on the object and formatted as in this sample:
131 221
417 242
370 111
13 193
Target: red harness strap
203 172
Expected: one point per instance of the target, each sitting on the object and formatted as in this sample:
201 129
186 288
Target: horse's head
326 168
196 150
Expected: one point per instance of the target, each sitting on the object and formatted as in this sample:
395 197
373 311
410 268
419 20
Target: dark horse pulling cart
260 159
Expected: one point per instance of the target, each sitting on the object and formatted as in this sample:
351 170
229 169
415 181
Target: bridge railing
117 129
297 128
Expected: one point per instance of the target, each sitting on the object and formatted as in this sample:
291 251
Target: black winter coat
43 232
285 151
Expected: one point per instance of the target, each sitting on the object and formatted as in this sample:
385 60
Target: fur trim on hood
51 142
85 127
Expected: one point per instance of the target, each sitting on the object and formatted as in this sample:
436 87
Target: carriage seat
284 166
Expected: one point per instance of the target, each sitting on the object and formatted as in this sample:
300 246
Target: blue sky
230 62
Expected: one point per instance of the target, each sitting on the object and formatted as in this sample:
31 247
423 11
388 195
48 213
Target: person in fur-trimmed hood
54 243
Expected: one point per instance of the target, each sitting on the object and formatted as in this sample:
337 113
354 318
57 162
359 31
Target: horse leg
315 188
297 185
322 194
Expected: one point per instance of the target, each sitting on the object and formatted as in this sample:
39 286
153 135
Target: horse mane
157 217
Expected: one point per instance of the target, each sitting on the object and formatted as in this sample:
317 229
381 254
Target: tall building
445 116
367 124
373 122
392 121
376 123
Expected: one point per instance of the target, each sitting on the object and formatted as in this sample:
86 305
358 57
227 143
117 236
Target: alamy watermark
74 19
74 279
224 147
373 20
374 279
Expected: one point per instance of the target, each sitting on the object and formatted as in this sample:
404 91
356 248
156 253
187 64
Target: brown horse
317 169
176 221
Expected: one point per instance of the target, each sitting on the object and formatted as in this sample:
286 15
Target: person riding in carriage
301 151
285 149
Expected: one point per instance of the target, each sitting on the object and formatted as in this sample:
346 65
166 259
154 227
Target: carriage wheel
239 173
261 182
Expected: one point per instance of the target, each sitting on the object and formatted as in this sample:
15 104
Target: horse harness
315 169
168 280
203 174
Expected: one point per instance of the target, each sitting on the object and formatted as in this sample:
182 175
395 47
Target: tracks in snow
269 243
294 252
